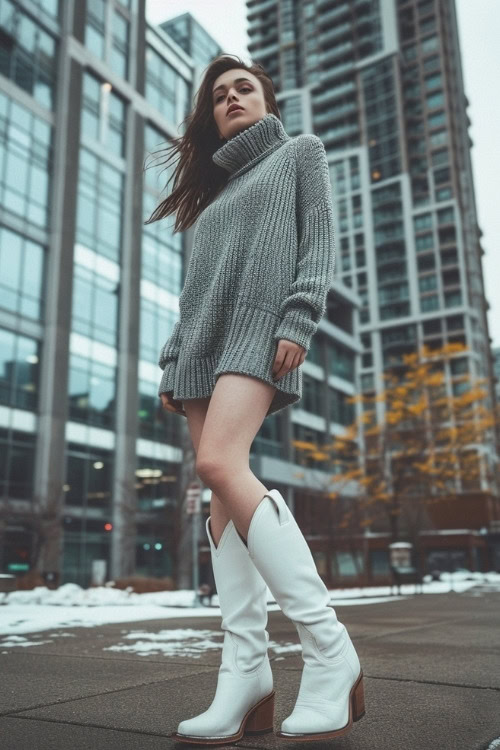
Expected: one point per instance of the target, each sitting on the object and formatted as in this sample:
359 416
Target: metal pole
195 521
196 583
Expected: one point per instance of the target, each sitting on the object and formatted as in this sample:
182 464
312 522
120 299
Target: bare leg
245 679
196 412
235 413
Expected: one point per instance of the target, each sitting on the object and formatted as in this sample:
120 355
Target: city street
430 662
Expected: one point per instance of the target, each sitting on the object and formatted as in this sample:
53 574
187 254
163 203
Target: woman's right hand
171 404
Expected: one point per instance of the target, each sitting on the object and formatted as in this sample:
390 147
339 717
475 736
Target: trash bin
7 582
402 570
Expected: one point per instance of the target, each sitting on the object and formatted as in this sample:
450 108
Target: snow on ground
42 609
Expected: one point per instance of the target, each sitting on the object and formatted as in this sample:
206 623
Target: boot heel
358 700
260 720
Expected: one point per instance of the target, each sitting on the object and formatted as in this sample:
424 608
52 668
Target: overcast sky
479 32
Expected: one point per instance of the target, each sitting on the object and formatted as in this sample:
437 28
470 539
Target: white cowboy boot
331 694
244 698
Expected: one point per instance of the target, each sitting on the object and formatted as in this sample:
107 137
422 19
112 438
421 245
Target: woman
255 290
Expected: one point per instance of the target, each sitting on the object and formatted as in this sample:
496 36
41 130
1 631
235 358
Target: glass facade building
88 459
380 82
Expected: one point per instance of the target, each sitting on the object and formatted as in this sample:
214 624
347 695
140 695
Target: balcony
334 92
326 57
331 15
333 134
335 113
328 36
327 75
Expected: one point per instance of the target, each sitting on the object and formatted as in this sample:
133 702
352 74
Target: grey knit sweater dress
261 265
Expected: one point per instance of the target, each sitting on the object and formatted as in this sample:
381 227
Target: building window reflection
88 488
99 210
161 274
341 411
50 7
17 454
95 306
102 17
19 359
27 53
119 45
103 114
382 120
166 90
88 477
91 391
21 274
25 162
95 28
340 361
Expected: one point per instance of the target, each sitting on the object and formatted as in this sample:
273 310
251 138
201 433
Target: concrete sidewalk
431 665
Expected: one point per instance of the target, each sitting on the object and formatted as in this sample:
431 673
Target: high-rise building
380 82
88 459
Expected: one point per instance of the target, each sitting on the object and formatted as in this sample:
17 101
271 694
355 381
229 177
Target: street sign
193 498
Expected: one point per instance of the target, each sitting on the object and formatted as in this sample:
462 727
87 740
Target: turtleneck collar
251 145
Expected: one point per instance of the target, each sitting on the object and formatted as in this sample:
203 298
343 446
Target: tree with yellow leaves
431 434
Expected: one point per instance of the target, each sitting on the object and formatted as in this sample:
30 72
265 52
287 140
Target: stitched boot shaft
245 675
331 664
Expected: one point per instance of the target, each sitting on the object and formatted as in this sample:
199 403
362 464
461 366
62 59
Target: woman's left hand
288 356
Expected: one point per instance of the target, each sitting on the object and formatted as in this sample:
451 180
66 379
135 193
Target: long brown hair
197 179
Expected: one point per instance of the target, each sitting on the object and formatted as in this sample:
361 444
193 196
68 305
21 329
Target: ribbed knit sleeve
168 358
304 307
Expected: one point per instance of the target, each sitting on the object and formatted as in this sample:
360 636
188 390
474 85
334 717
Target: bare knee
211 470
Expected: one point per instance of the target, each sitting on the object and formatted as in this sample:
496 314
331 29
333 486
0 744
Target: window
427 283
99 206
435 100
95 27
429 303
103 114
424 221
97 20
426 262
443 194
432 82
27 54
439 157
26 154
449 257
452 299
438 138
21 274
439 118
166 90
460 365
120 45
446 216
19 363
430 63
430 44
424 242
441 176
431 326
